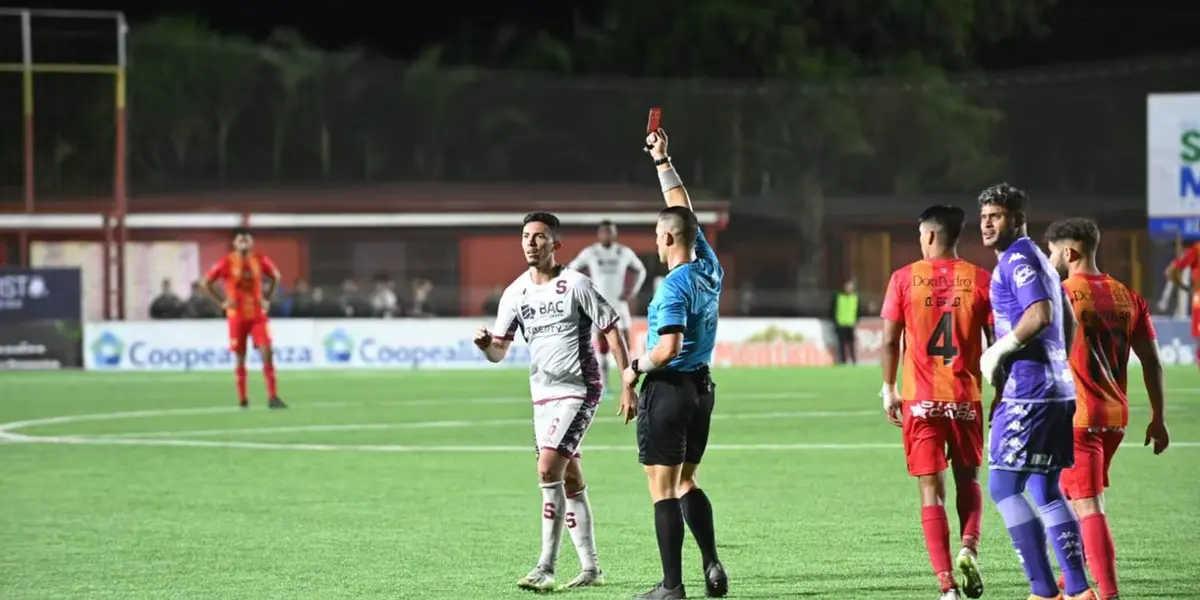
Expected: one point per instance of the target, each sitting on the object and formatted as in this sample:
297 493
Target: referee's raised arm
673 190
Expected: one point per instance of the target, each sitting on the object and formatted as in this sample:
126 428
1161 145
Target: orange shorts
256 329
937 434
1094 452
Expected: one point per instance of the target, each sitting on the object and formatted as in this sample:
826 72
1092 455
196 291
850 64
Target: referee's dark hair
946 219
240 231
550 221
681 222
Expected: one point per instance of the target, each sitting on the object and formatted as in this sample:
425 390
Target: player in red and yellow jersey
1112 321
1190 260
249 279
940 305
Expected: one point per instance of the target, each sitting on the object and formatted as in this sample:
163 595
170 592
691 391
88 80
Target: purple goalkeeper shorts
1034 437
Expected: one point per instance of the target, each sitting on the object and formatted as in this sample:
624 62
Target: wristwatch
634 365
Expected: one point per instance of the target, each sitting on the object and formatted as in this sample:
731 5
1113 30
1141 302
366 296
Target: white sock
579 525
554 499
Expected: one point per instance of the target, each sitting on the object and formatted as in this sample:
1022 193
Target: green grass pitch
423 485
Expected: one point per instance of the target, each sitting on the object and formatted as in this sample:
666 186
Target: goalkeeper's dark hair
1084 231
946 219
549 220
1008 197
683 220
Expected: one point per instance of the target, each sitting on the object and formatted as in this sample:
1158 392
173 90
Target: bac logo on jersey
530 312
1023 275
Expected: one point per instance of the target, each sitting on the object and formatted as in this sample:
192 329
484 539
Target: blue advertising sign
38 294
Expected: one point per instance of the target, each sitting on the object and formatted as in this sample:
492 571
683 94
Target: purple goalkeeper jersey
1039 372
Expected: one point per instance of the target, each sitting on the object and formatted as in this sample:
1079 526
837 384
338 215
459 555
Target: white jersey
556 319
607 266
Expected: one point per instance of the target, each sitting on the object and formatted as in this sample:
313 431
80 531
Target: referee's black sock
697 511
668 524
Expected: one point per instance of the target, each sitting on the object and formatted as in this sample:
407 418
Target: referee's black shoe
662 592
716 582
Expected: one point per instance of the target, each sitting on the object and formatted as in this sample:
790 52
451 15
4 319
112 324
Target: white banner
445 344
190 346
1173 163
408 344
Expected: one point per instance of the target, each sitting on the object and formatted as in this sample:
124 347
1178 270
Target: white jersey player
608 263
555 308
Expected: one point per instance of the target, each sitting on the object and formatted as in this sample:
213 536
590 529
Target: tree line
795 100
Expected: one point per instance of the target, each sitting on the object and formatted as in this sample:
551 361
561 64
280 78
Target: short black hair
1007 196
684 219
606 223
948 219
241 231
545 218
1078 229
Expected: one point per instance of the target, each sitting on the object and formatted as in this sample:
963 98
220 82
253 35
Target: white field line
7 434
449 425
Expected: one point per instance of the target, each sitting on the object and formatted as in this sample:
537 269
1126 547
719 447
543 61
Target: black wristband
662 161
634 366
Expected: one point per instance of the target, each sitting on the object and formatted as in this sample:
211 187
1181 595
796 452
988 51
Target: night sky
1080 30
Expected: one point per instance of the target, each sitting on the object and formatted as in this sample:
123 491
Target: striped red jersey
944 306
243 279
1109 316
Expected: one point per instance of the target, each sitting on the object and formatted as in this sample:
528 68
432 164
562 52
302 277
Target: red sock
970 513
239 374
1101 553
269 377
937 538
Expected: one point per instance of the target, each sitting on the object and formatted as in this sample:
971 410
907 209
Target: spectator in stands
324 308
384 303
301 300
845 311
491 305
167 305
200 306
353 304
420 294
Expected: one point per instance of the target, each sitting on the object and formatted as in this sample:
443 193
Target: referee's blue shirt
687 302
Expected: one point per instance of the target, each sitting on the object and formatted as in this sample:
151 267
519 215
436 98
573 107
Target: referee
675 405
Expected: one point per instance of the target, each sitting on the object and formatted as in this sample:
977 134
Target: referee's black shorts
674 413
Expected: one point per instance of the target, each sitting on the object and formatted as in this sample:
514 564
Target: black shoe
243 403
716 582
663 593
276 403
